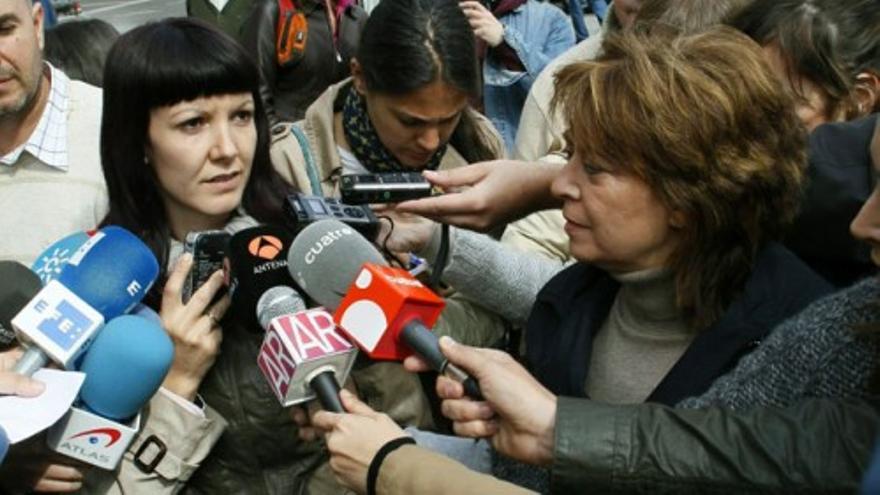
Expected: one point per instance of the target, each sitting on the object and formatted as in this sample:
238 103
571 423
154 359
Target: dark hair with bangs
161 64
408 44
703 120
830 42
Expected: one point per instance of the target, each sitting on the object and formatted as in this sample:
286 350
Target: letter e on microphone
59 322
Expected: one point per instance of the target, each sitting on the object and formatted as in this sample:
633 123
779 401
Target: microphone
303 356
51 262
385 311
124 367
19 286
257 262
4 444
60 321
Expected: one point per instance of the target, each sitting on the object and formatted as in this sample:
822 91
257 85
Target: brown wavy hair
702 119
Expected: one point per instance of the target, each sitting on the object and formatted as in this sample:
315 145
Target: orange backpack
291 34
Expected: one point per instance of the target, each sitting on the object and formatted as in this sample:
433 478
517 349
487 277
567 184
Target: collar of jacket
570 309
319 130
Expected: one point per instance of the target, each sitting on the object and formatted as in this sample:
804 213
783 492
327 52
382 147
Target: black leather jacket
287 92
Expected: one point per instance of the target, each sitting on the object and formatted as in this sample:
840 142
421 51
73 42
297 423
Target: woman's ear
866 93
357 76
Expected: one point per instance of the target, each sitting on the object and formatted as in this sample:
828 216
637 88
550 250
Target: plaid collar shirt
48 142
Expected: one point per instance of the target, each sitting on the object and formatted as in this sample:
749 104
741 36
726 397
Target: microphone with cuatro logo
384 310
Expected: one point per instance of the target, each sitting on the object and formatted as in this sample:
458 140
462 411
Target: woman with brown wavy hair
687 163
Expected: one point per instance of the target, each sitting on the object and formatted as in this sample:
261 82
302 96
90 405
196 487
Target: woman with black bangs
185 147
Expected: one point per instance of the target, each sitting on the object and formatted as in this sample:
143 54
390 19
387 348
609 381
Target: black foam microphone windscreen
19 285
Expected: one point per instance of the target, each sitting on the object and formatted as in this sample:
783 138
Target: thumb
354 405
462 176
469 358
20 385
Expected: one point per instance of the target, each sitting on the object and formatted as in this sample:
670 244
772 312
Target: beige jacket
412 469
540 139
192 440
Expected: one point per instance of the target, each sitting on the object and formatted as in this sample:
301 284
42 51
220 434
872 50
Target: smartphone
209 249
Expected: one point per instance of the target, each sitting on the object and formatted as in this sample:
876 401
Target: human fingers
326 420
174 285
415 364
20 385
476 429
354 405
201 299
466 410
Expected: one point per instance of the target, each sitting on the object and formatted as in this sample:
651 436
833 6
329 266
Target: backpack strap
311 170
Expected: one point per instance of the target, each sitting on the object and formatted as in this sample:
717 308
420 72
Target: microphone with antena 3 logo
257 262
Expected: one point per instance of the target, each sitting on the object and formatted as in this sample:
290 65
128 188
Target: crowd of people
657 245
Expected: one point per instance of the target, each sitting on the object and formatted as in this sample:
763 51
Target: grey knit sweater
813 354
498 277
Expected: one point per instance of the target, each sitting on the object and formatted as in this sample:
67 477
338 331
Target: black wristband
376 463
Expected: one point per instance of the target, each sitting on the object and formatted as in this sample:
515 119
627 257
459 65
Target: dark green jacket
816 446
230 20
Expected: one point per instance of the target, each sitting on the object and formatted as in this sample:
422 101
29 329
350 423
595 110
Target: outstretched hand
486 195
518 414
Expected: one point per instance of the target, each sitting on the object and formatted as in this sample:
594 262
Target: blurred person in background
301 60
516 39
79 48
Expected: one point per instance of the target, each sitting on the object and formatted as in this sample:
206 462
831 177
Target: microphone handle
32 360
327 389
426 344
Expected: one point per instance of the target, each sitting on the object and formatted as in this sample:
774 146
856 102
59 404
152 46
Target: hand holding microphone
518 413
353 439
194 328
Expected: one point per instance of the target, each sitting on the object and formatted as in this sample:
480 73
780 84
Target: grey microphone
326 256
277 301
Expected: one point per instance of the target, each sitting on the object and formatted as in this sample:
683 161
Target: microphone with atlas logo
124 367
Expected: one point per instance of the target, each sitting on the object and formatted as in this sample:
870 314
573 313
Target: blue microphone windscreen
51 262
125 366
147 312
111 272
4 444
